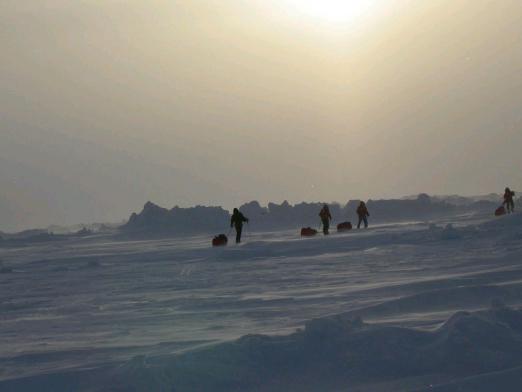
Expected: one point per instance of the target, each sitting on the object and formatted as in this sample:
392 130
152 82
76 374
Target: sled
308 232
500 211
344 226
220 240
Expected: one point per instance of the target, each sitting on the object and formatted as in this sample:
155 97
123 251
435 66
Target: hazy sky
105 104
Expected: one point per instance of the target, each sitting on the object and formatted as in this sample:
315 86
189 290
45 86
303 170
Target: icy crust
154 219
329 354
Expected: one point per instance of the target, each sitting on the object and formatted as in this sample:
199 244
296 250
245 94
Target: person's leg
326 226
360 221
238 234
365 222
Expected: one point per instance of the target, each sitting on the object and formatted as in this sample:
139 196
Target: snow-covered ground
100 314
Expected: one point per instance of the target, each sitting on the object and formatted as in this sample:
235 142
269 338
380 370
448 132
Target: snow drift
329 354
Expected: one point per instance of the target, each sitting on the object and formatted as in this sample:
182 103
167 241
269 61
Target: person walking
362 212
237 221
508 200
326 217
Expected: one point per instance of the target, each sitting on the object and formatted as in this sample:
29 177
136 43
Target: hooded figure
237 221
508 200
363 213
325 218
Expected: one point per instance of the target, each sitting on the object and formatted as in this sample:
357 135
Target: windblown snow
422 306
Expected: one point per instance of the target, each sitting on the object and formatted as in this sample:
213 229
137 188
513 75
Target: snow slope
404 307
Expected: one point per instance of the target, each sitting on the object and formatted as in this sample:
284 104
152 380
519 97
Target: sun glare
334 11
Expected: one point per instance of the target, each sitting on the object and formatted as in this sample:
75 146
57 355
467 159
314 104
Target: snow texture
431 306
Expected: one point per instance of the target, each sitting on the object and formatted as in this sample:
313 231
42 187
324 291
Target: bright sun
334 11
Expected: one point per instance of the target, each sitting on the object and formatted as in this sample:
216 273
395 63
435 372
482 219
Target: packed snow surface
399 307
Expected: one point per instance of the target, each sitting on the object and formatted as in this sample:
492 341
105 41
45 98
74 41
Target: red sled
220 240
345 226
308 232
500 211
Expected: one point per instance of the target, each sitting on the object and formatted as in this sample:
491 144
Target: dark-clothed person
508 200
326 217
362 212
237 221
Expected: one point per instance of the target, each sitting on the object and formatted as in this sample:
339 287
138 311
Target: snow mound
329 354
339 352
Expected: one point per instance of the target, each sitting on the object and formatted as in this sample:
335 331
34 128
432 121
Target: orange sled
220 240
308 232
500 211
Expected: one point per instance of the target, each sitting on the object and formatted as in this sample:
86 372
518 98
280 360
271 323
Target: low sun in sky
334 11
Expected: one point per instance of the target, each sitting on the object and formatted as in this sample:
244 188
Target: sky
105 104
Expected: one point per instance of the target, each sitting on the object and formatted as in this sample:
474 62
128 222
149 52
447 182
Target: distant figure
326 217
237 221
363 213
508 200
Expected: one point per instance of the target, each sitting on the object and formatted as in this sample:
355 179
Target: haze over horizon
105 104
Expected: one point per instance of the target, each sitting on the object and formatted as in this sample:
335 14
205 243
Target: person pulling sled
326 217
237 221
362 212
